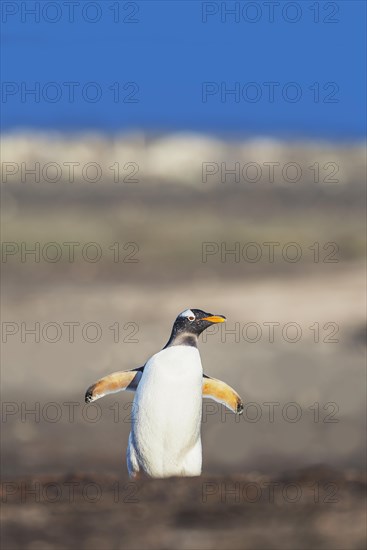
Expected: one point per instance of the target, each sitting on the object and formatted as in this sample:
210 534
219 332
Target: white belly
166 420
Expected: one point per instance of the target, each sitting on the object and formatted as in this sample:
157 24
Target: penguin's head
190 324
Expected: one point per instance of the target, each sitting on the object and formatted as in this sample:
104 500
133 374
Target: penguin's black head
190 324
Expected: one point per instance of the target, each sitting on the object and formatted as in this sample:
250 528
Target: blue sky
167 65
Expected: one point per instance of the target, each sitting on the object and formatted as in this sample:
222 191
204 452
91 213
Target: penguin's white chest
166 420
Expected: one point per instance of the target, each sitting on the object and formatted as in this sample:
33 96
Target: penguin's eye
191 318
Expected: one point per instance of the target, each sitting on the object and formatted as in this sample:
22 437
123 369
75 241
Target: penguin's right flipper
115 382
222 393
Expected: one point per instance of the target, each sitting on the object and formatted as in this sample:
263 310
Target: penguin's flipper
115 382
222 393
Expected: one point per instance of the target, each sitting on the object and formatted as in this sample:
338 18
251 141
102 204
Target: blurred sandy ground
169 212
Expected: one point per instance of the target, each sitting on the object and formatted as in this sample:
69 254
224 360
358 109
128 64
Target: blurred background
158 156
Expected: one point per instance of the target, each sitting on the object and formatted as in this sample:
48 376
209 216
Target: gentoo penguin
165 437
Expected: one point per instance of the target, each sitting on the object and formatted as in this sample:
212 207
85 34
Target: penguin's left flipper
222 393
115 382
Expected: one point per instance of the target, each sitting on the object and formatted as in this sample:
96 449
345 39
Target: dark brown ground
236 512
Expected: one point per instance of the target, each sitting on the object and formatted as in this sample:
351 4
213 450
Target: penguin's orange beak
215 319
